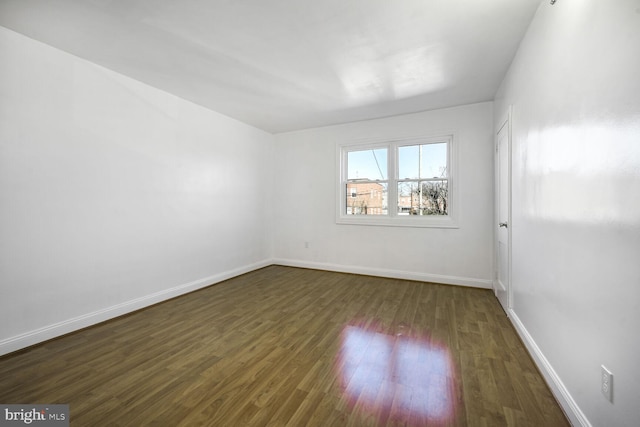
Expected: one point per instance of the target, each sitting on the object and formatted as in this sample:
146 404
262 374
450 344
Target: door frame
506 300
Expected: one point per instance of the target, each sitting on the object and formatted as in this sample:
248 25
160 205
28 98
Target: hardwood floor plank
284 346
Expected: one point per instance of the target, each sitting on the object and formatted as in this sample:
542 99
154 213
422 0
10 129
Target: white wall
305 203
575 90
115 195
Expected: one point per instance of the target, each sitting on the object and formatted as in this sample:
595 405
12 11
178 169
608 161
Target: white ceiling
282 65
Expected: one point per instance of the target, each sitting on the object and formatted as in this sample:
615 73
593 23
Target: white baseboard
394 274
497 286
45 333
569 406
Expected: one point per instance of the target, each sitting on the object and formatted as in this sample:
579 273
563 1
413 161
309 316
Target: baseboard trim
45 333
497 286
569 406
394 274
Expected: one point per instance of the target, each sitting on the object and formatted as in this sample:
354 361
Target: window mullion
392 158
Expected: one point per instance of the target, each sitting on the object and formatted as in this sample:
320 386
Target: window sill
416 222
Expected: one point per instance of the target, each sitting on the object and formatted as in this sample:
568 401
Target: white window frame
393 219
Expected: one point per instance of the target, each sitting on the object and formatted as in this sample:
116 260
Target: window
404 182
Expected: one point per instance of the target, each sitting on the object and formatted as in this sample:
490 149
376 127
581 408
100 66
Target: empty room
303 213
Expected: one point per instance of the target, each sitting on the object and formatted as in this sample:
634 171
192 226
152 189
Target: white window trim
393 219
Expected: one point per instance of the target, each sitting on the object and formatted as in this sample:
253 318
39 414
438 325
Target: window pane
434 161
422 161
366 198
409 162
423 198
367 164
435 197
408 202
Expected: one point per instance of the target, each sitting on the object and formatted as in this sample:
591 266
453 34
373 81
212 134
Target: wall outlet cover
606 383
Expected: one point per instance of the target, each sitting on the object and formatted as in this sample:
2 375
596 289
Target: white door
503 210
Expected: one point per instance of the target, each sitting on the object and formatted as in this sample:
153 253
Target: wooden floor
287 346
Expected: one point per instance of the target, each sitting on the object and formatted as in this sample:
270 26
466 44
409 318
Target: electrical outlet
306 245
606 383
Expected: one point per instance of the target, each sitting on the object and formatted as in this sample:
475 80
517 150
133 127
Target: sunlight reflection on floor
396 377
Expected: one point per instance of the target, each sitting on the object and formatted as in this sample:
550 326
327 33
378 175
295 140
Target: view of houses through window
366 198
